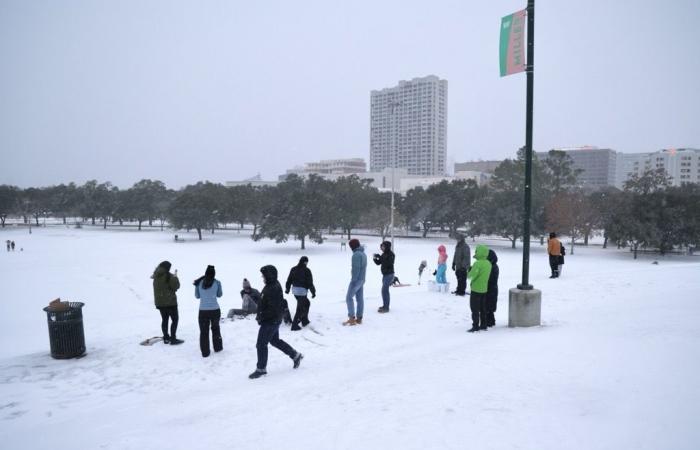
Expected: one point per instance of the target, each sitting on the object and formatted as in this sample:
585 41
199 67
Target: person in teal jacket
479 279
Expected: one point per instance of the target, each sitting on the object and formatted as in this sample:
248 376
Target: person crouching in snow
301 281
270 312
440 276
207 289
479 278
492 292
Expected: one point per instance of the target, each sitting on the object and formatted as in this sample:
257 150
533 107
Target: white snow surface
613 366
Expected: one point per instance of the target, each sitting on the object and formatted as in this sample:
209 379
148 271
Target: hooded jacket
463 256
165 285
493 277
481 270
359 265
386 259
270 308
442 259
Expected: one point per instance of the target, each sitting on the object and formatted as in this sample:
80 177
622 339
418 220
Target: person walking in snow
165 286
207 289
479 278
8 244
461 262
269 317
440 273
12 244
357 282
301 281
492 290
554 251
386 261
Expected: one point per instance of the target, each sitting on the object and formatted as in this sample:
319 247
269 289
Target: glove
287 291
434 272
258 319
454 267
313 295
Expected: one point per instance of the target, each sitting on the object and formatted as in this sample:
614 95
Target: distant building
481 178
681 164
598 165
477 166
408 127
329 167
255 181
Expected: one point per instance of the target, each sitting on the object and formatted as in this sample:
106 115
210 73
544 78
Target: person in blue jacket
207 289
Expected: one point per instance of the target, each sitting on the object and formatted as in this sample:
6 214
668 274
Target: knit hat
354 243
303 260
165 265
246 284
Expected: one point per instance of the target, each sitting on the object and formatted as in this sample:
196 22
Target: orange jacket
554 247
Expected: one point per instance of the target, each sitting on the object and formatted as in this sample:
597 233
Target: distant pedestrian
207 289
357 282
270 312
421 267
301 281
8 244
165 286
562 253
461 262
12 244
386 261
492 292
440 273
554 251
479 277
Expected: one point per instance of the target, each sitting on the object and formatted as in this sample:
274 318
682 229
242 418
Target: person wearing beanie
479 278
441 273
269 317
461 263
301 281
207 289
357 282
386 261
250 297
165 286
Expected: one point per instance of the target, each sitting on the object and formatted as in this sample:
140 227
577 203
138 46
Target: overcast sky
183 91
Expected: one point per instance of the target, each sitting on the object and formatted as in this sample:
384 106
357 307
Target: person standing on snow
207 289
479 278
269 317
386 261
554 251
562 253
301 281
492 292
165 285
461 263
440 273
357 282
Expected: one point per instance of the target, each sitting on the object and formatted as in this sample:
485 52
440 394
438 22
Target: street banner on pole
512 46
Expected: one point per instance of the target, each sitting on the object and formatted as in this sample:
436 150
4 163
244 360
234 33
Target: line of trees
647 213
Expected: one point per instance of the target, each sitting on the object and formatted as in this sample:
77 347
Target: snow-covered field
614 366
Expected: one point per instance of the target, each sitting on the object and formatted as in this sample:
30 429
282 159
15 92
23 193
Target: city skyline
124 91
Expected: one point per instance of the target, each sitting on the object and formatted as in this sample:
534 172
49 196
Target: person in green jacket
165 284
479 279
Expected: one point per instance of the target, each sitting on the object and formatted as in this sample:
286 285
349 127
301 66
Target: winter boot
175 341
297 360
383 310
296 327
257 374
358 321
166 339
350 321
473 329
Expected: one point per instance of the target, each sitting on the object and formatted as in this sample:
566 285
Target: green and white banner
512 46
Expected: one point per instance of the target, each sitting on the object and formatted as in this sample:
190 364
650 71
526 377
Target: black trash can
66 330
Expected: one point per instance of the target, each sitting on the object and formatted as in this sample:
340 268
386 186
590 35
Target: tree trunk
140 224
541 240
64 220
349 237
585 238
161 224
635 251
605 240
150 222
104 226
36 218
199 232
93 220
255 230
2 218
572 246
303 239
513 241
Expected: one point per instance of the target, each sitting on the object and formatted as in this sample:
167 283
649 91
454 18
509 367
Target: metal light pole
393 104
530 70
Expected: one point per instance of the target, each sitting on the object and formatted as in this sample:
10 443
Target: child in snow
440 276
207 289
270 312
479 278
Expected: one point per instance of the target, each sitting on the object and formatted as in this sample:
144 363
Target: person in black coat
492 292
386 261
270 312
301 281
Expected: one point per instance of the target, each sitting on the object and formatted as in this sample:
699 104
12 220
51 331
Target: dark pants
554 265
477 303
461 281
386 282
491 304
169 312
302 312
270 333
210 319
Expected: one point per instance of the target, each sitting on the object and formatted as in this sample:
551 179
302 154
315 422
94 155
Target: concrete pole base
524 307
